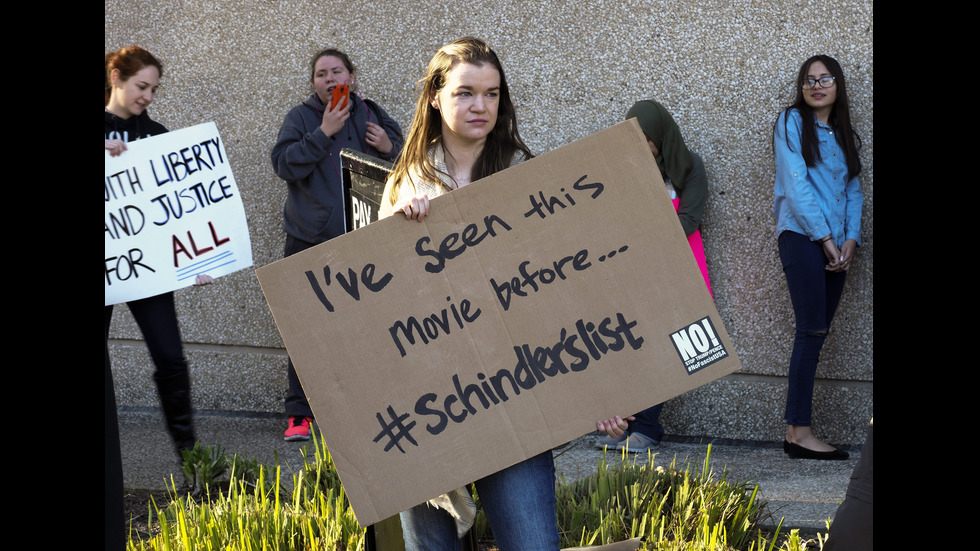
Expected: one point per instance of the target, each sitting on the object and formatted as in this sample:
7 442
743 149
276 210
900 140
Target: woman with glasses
818 203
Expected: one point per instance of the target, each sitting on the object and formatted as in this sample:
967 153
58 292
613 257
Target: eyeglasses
824 82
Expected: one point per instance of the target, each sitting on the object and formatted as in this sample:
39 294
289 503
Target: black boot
175 397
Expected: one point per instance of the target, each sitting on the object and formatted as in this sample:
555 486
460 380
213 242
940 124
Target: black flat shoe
795 451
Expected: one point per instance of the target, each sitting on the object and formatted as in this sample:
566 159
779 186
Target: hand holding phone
338 111
340 92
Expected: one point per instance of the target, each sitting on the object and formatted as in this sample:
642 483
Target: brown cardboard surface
617 319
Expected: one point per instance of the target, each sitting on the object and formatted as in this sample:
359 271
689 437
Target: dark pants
647 423
157 320
815 293
296 404
115 527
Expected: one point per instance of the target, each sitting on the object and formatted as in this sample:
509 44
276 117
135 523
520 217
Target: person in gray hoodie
307 156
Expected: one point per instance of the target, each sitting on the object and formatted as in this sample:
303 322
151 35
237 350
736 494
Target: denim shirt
815 201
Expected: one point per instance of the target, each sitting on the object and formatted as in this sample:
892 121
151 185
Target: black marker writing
349 284
573 352
125 266
430 326
388 430
121 184
191 198
552 203
179 165
456 244
128 221
531 280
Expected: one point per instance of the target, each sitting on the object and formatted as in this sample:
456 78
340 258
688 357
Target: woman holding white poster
464 129
818 203
132 76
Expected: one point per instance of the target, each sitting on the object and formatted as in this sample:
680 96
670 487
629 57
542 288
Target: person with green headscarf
678 165
687 186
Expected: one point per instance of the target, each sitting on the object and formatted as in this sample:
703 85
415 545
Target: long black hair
840 118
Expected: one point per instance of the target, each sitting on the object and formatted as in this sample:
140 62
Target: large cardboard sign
527 306
172 211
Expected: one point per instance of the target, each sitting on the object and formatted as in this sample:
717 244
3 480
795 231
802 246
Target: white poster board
172 211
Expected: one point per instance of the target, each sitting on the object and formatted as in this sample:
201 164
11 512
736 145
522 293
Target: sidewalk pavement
804 493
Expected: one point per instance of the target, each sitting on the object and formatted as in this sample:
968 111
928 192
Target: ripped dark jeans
815 293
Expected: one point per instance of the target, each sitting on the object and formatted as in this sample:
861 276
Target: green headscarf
675 159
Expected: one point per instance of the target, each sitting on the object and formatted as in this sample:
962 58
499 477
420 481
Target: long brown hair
128 61
503 142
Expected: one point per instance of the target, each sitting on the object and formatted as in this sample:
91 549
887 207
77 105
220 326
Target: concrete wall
724 68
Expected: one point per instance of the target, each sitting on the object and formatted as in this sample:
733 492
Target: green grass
235 504
669 507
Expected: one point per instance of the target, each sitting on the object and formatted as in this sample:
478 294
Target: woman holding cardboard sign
464 129
818 204
132 76
307 156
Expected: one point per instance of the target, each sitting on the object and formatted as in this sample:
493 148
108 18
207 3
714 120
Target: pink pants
697 247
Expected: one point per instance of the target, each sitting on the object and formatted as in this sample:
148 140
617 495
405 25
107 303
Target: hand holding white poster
172 212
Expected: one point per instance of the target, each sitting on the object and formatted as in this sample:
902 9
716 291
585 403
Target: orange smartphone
340 92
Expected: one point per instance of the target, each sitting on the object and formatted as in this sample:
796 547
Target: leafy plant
249 512
626 500
203 466
209 467
319 472
672 508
